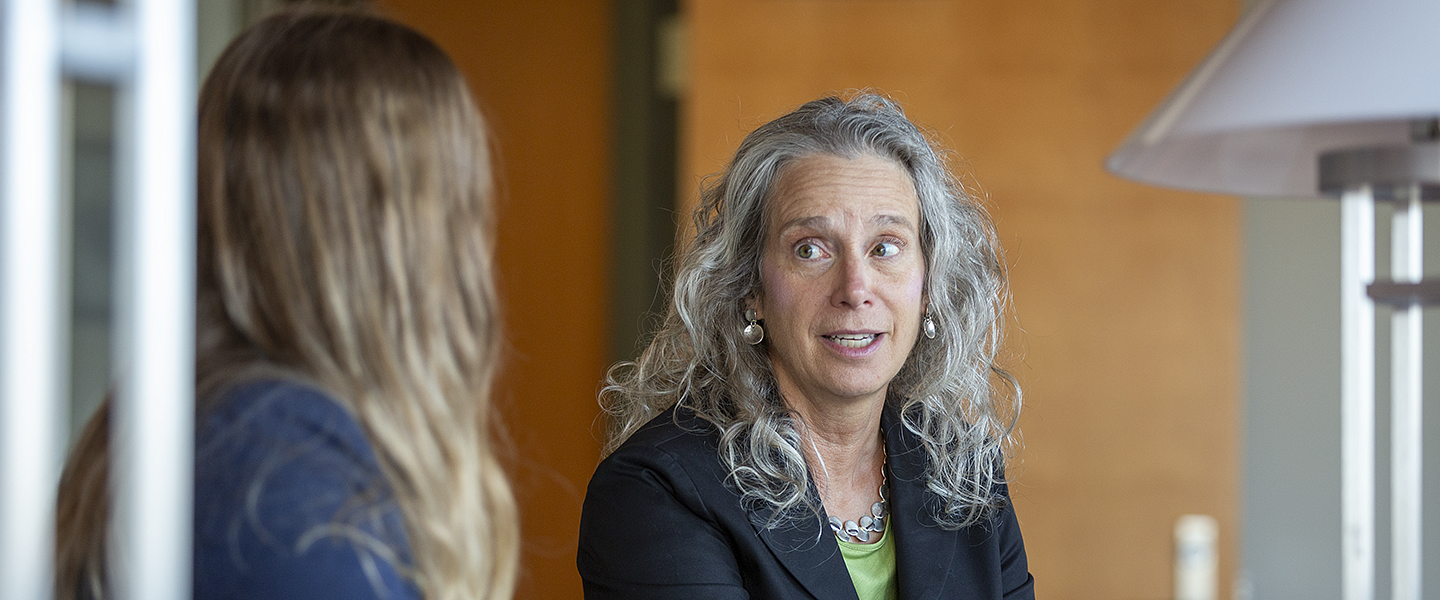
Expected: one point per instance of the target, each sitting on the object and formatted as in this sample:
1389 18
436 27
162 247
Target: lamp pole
1406 175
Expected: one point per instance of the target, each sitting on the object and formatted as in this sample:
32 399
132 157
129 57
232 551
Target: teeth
854 340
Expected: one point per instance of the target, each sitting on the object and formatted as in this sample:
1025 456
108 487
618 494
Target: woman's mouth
852 340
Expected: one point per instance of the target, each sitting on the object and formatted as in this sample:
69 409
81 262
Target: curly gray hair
951 394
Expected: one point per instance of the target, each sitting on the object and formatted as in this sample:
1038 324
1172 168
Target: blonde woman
347 330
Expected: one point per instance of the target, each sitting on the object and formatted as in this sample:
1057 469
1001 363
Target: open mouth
853 340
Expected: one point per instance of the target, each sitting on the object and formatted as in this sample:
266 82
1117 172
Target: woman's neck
843 426
842 446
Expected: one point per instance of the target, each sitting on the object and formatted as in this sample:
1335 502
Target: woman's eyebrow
815 222
892 219
822 223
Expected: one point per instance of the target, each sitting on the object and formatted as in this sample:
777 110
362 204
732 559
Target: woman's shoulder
275 424
677 431
676 449
277 410
290 501
283 440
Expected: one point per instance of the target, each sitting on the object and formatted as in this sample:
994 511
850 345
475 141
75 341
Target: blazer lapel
924 552
812 558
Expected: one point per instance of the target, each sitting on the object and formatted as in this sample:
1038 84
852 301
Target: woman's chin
849 386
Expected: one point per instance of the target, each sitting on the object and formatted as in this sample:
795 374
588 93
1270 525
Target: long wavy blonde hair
345 239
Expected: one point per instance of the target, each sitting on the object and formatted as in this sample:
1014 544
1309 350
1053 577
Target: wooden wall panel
1127 296
542 72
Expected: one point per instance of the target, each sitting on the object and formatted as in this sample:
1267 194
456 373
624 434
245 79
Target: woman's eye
807 251
886 249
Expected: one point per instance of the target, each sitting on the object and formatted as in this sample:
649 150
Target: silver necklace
873 522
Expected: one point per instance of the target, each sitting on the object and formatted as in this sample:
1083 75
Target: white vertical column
1196 560
1407 245
32 365
150 556
1357 396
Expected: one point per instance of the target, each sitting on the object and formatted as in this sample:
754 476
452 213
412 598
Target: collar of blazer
924 552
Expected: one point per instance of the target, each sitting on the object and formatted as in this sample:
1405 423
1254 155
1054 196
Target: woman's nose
853 288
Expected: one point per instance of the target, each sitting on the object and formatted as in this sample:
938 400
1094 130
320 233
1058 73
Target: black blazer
660 522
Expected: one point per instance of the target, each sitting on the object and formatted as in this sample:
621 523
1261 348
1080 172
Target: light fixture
1312 98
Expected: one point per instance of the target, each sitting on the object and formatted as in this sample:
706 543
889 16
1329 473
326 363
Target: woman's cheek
917 284
773 286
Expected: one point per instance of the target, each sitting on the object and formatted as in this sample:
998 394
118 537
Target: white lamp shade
1295 78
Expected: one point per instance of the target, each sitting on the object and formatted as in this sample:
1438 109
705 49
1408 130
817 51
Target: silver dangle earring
753 333
929 324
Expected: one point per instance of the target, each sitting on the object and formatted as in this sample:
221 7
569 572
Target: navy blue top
291 503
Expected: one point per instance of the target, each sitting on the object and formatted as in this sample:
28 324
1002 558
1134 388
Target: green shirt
872 567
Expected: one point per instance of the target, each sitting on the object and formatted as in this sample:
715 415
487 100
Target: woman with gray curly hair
821 413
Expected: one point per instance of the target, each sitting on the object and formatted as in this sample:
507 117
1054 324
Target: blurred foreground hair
345 240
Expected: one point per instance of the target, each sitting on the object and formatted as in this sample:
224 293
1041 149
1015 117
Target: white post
1407 244
32 356
1357 396
154 426
1196 559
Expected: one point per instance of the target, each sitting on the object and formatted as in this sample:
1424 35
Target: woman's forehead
819 190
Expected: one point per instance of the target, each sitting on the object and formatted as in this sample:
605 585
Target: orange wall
1127 296
542 72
